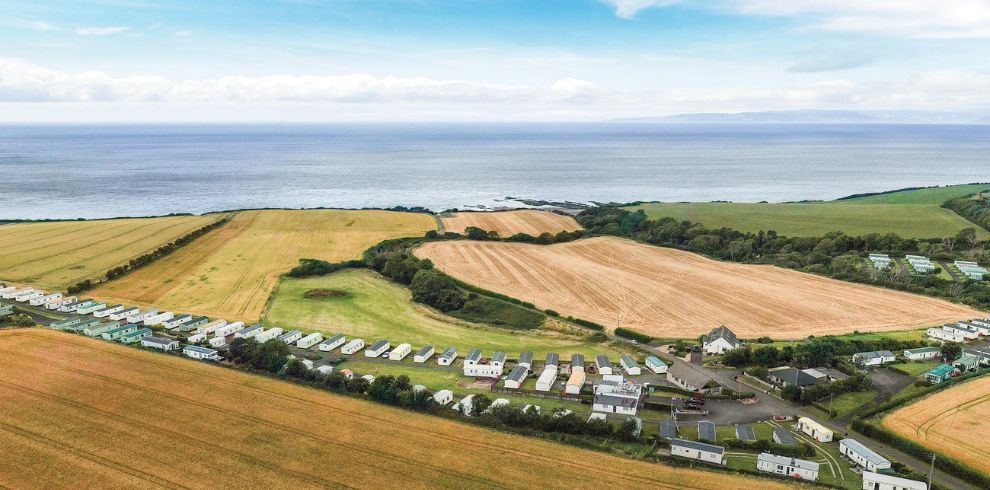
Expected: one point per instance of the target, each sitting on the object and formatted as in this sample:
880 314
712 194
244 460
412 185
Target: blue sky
560 60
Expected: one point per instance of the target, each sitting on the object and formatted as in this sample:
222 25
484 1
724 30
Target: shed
516 378
630 365
332 343
700 451
424 354
862 455
400 352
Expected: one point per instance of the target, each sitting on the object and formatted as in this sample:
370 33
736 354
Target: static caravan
787 466
553 359
158 319
965 332
465 405
142 316
85 323
575 382
333 342
603 364
124 313
9 292
197 352
99 330
814 429
979 327
862 455
921 353
443 397
348 374
516 378
630 366
700 451
90 308
653 363
577 362
116 333
65 324
352 346
59 303
309 340
196 338
290 336
400 352
324 369
40 300
211 327
73 306
28 296
20 293
216 342
194 324
945 335
784 437
307 363
135 336
6 289
473 358
377 349
424 354
160 343
249 332
448 357
369 378
269 334
107 311
228 329
547 378
177 321
879 481
525 360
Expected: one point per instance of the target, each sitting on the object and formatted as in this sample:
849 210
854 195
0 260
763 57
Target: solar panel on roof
745 433
706 430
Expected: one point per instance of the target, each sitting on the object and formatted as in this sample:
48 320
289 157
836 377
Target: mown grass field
508 223
231 272
910 214
62 253
955 421
83 413
377 308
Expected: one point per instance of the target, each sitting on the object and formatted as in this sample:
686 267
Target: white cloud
627 9
182 34
101 31
40 25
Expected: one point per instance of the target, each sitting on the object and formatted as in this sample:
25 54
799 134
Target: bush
487 310
633 335
436 289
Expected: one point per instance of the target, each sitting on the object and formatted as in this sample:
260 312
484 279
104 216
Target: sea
100 171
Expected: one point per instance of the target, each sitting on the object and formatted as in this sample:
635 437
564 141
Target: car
385 355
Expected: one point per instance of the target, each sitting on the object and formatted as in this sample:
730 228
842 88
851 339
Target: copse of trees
270 356
816 352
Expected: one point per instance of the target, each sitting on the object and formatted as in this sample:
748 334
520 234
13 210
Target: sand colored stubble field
508 223
231 272
84 413
955 422
62 253
670 293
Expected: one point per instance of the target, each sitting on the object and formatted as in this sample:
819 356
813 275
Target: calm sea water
116 170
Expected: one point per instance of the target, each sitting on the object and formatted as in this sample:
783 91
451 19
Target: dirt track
508 223
671 293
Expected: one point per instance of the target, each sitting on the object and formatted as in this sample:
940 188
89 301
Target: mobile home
216 342
135 336
921 353
424 354
269 334
787 466
862 455
65 324
965 332
107 311
945 335
28 296
700 451
448 357
142 316
575 382
10 292
160 343
309 340
630 366
443 397
400 352
553 359
116 333
814 429
72 307
516 378
603 364
656 365
249 332
59 303
124 313
547 378
196 338
177 321
290 336
525 360
352 347
211 326
99 330
879 481
197 352
228 329
40 300
154 320
332 343
377 349
90 308
577 362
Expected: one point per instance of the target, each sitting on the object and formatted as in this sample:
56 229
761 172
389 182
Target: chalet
940 373
719 340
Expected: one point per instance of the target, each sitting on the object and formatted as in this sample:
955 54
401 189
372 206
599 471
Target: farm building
873 358
668 428
792 467
158 319
862 455
525 360
879 481
217 342
177 321
516 378
135 336
98 330
653 363
271 333
719 340
40 300
967 363
230 328
945 335
966 333
814 429
211 326
706 430
940 373
400 352
377 349
196 338
352 346
465 405
547 378
309 340
577 362
603 364
424 354
443 397
124 313
630 365
921 353
783 436
249 332
197 352
116 333
290 336
160 343
553 359
575 382
700 451
690 379
141 316
65 324
333 342
448 357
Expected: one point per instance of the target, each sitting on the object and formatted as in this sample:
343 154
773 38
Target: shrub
634 335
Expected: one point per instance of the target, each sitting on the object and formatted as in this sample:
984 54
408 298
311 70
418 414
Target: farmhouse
443 397
449 356
577 362
575 382
124 313
290 336
197 352
309 340
352 346
700 451
653 363
719 340
135 336
230 328
160 343
400 352
177 321
378 348
603 364
921 353
814 429
873 358
784 437
271 333
516 378
683 376
630 365
862 455
525 360
780 465
424 354
547 378
945 335
879 481
249 332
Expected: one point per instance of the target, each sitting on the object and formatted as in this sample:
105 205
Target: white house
309 340
126 312
630 365
250 332
945 335
921 353
197 352
719 340
266 335
700 451
575 382
873 358
160 343
448 357
780 465
230 328
290 336
424 354
400 352
332 343
547 378
352 346
656 365
577 362
603 364
525 360
877 481
377 349
516 378
443 397
814 429
862 455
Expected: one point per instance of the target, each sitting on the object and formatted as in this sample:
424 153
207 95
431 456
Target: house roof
864 451
922 350
553 359
498 357
654 361
788 461
603 361
700 446
378 345
694 378
628 361
577 360
425 350
941 370
784 436
874 354
721 332
449 352
159 340
526 357
794 376
616 401
474 355
518 374
201 350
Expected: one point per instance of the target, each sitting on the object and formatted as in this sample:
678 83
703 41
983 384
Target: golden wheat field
508 223
230 272
955 421
62 253
84 413
670 293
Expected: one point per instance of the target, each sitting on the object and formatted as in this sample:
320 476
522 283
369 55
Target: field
670 293
910 214
62 253
955 421
83 413
508 223
376 308
231 272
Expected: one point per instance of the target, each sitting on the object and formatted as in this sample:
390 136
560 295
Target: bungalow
862 455
332 343
577 362
197 352
525 360
945 335
424 354
719 340
448 357
160 343
352 347
700 451
630 365
873 358
787 466
575 382
516 378
692 380
603 364
617 396
879 481
940 373
921 353
818 431
656 365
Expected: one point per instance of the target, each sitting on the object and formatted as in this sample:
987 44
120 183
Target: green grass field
910 214
917 368
918 334
376 308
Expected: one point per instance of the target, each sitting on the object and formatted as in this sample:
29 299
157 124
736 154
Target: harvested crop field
83 413
670 293
955 422
231 272
59 254
508 223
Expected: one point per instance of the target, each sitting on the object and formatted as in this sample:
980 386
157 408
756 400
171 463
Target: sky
485 60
